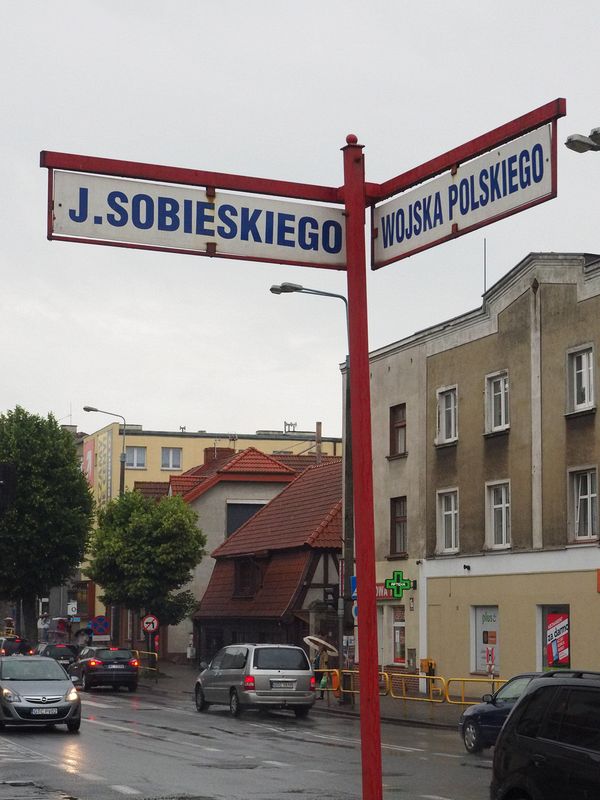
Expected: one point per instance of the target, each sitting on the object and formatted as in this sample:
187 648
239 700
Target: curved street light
584 144
346 618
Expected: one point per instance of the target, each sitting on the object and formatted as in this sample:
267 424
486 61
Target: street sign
71 609
190 219
100 625
508 179
150 623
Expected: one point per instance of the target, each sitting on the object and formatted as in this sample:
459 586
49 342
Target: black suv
549 747
106 666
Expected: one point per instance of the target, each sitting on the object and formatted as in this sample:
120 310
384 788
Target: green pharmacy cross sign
398 584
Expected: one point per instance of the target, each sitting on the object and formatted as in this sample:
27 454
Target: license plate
43 712
116 666
282 684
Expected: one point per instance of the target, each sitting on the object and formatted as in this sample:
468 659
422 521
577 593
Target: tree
44 530
143 551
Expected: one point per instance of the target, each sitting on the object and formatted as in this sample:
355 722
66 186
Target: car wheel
73 725
85 683
301 711
132 687
201 704
234 704
472 737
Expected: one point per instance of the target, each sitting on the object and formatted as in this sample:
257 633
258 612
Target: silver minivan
257 675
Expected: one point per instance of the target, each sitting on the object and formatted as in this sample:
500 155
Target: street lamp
346 618
122 472
584 144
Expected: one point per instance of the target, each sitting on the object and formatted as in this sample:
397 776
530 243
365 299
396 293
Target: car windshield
280 658
512 690
28 669
114 655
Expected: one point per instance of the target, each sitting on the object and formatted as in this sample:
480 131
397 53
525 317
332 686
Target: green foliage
43 535
143 551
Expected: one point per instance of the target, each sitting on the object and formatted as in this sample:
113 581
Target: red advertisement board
557 640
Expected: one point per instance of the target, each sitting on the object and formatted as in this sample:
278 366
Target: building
276 578
486 452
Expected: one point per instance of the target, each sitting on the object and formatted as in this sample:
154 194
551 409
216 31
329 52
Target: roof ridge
331 515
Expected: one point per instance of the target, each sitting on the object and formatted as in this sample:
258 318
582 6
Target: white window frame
135 457
490 516
591 498
447 432
170 451
443 516
490 394
586 372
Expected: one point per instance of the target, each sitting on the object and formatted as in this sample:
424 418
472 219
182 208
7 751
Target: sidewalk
178 680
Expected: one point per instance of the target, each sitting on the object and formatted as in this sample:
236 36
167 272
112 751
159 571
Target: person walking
320 665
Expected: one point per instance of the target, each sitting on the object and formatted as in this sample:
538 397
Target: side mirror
487 698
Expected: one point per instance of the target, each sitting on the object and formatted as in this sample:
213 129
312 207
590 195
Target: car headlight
71 695
11 696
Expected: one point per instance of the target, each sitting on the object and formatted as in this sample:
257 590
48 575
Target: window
556 646
246 578
497 413
398 536
498 515
239 513
581 379
448 521
170 458
584 504
486 629
447 415
135 457
398 430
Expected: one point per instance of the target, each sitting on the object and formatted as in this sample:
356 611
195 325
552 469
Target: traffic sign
72 608
504 181
150 623
191 219
100 625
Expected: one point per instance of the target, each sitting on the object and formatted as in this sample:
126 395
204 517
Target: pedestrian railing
148 661
408 687
458 698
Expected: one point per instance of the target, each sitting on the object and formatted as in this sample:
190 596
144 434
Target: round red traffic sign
150 623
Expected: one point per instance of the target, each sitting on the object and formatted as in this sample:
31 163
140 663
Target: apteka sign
504 181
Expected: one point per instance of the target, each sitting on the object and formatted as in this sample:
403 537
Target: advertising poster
557 640
487 626
89 455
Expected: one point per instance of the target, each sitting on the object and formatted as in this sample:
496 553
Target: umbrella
316 644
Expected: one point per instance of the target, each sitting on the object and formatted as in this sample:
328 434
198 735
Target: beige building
485 465
155 455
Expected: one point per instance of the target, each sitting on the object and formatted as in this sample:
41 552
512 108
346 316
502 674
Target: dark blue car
480 724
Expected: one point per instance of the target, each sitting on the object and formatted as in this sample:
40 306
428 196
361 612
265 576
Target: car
103 665
10 645
480 724
37 691
65 654
245 676
549 747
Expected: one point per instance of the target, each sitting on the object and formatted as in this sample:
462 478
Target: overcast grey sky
268 88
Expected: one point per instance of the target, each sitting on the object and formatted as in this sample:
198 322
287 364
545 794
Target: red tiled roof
181 484
248 465
300 462
307 512
153 489
281 582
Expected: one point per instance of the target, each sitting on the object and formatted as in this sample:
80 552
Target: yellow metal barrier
435 687
384 682
493 683
149 663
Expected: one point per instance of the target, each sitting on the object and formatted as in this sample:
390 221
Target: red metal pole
362 471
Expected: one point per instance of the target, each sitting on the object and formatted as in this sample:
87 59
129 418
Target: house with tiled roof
276 578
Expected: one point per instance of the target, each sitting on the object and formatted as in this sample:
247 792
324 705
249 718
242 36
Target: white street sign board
505 180
150 623
186 219
72 609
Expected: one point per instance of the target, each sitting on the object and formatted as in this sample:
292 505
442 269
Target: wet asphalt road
141 746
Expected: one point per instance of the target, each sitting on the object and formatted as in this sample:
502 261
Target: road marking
96 704
124 789
276 763
131 729
395 747
447 755
434 797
